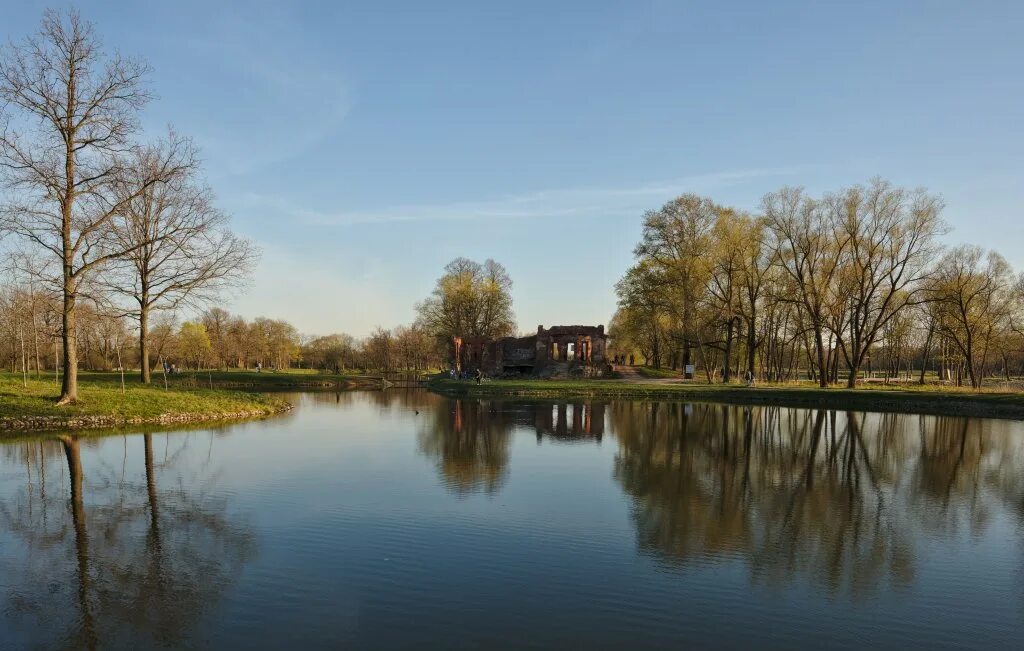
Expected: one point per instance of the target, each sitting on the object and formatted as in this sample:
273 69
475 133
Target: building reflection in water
833 498
470 438
568 422
110 560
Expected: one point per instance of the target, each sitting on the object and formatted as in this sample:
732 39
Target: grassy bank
927 399
102 404
292 379
267 380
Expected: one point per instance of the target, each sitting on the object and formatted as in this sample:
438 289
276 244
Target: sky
362 146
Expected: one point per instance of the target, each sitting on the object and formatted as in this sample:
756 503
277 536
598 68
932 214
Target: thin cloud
284 98
594 202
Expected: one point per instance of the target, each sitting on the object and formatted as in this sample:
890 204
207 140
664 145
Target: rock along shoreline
101 421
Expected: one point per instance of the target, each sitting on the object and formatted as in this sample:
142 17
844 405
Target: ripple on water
357 522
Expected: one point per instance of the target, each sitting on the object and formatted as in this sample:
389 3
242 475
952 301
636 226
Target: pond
403 519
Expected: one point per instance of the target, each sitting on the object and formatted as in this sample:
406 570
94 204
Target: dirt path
631 374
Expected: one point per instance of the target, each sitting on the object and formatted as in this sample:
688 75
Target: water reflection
108 560
570 422
469 439
619 525
397 398
830 497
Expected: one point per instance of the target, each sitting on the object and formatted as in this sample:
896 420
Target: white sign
689 369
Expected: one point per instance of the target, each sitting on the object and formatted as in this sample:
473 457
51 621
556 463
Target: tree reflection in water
109 561
469 440
387 399
831 497
102 551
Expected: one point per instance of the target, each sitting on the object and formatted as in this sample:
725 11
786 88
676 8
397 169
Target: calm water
356 522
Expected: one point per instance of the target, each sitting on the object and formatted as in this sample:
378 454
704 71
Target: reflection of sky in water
356 520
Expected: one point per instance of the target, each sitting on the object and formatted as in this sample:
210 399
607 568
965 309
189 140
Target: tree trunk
144 345
657 350
751 347
834 373
851 380
924 357
969 360
972 373
727 353
35 332
69 383
822 366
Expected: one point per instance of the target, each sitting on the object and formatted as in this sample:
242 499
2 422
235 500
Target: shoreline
31 405
932 403
74 423
285 384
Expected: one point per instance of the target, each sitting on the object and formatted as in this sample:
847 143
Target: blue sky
364 145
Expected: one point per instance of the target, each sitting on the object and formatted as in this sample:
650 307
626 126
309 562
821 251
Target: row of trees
30 332
818 286
215 339
405 348
100 221
30 338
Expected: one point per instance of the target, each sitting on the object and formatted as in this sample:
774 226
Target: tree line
824 287
470 299
215 339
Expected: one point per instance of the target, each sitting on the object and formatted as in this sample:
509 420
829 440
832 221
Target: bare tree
973 290
65 163
802 238
890 242
179 248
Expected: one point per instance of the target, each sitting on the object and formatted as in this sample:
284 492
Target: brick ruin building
576 349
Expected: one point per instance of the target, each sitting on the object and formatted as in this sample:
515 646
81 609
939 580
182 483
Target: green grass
926 399
266 380
100 397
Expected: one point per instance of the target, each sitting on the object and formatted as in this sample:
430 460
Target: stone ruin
575 350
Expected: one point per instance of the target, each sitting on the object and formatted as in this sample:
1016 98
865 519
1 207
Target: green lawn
233 379
101 396
930 399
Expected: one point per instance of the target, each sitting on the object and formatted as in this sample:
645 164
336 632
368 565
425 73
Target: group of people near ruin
477 375
620 360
